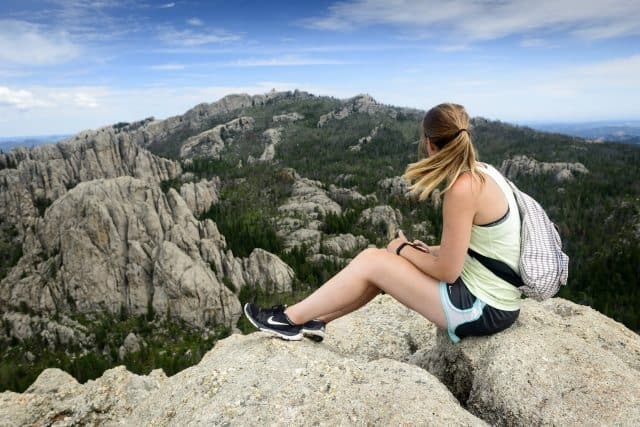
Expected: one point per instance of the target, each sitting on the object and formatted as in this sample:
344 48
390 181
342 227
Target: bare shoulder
462 187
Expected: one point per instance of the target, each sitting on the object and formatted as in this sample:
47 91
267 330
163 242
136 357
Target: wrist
402 245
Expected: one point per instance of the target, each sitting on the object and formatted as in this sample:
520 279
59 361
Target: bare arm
458 211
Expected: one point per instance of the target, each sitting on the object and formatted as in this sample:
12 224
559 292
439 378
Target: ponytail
445 126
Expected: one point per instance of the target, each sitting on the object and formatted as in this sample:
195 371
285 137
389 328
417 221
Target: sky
69 65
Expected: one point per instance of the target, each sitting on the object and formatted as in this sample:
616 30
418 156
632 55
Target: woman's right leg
380 270
367 296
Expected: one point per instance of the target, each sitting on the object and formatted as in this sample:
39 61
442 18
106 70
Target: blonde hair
447 127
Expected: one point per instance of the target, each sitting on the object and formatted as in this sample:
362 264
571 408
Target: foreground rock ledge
560 364
245 380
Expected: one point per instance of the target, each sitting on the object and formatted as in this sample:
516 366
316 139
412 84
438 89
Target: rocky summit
560 364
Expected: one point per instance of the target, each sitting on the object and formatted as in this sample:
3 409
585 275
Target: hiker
442 283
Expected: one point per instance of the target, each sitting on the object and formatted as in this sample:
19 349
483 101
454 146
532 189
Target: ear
432 147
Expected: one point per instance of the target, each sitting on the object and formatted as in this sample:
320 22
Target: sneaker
314 330
273 320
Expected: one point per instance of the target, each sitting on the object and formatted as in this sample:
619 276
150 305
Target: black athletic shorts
470 316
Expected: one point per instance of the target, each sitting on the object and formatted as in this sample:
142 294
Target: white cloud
29 44
191 38
167 5
20 99
195 22
283 61
168 67
485 20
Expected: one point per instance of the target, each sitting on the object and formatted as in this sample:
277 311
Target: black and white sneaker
314 329
273 320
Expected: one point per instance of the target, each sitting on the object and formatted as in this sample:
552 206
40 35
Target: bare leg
371 293
381 270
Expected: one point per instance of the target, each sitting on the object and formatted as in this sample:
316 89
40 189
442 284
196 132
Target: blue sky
68 65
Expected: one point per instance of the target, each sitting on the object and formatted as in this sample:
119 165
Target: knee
371 253
370 258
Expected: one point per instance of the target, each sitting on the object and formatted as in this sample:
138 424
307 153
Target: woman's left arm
458 211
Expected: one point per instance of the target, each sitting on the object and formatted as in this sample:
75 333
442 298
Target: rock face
121 244
211 142
561 364
244 380
201 195
523 165
44 173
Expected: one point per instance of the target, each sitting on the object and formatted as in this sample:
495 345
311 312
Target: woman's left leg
381 270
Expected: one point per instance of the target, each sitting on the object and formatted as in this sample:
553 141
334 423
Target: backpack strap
499 268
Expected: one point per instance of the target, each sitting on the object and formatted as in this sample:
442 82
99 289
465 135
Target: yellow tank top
500 241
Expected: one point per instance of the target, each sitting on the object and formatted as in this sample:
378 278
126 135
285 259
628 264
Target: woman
442 283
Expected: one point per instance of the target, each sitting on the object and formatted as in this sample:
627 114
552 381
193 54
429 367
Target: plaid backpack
543 265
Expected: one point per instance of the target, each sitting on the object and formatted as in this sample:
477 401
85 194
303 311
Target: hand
420 245
393 245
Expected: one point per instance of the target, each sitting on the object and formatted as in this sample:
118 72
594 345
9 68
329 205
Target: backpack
543 265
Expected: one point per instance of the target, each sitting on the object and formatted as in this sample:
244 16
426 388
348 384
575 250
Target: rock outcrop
358 104
396 186
122 244
383 218
343 243
366 139
559 364
272 138
300 217
44 173
288 117
523 165
200 196
210 143
244 380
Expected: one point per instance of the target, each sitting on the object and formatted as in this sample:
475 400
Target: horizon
530 123
71 65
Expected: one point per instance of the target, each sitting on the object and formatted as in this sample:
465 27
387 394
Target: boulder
383 328
396 186
559 364
384 219
267 271
244 380
343 243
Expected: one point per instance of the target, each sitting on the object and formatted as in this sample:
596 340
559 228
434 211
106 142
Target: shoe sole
313 335
297 337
